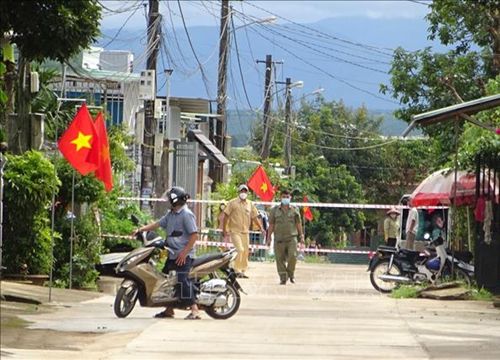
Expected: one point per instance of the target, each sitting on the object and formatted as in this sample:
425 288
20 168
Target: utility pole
288 131
217 170
147 173
162 177
266 138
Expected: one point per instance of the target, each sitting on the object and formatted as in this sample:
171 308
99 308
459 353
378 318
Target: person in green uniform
286 224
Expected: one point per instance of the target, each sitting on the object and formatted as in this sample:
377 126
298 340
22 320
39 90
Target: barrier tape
298 204
256 246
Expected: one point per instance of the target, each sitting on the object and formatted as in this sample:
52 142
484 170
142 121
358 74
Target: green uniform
285 239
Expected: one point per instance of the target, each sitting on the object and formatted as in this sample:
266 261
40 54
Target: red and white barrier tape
257 246
299 204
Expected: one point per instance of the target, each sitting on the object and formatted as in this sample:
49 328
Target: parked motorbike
391 266
216 288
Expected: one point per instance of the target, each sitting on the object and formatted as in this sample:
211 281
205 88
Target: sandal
192 316
165 314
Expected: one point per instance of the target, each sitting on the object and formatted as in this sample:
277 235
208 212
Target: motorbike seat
206 258
409 252
385 248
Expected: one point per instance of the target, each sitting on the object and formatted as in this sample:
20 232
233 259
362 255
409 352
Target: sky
382 24
195 12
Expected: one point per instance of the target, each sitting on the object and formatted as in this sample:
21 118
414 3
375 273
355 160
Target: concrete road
331 312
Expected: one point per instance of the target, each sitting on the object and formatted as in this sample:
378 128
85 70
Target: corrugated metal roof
207 145
190 105
450 112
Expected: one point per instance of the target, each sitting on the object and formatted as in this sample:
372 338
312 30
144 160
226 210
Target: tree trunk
495 32
18 124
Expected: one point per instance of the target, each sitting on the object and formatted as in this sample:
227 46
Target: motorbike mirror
427 236
135 219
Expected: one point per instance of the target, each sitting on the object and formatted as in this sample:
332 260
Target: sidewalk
20 292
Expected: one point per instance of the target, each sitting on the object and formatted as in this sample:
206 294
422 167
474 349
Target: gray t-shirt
182 224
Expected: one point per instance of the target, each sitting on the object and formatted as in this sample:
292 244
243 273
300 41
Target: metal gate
186 166
487 249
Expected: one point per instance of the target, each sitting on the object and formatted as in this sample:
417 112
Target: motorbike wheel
381 268
462 276
125 300
458 275
231 307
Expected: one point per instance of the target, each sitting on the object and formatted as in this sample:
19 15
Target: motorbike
216 288
391 266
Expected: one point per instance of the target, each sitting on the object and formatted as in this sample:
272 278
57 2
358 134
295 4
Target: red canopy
439 189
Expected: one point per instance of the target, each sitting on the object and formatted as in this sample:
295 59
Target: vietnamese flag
77 141
308 215
261 185
100 154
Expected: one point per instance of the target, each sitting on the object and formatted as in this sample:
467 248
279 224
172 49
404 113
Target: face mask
243 195
285 201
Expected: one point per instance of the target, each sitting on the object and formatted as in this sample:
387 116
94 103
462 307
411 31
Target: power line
312 39
204 76
322 52
369 147
121 10
121 28
325 72
372 48
239 65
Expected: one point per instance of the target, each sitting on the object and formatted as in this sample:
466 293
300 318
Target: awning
463 110
212 151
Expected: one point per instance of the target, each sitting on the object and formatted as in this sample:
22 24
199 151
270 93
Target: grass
481 294
406 292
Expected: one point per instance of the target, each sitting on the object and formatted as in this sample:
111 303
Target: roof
451 112
208 146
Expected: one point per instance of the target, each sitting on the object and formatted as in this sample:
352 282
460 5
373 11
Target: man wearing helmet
180 226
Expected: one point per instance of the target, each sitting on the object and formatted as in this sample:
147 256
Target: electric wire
204 76
366 46
119 10
326 72
293 41
313 39
121 28
369 147
239 65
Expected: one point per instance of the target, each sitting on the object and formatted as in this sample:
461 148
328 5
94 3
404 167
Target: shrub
30 181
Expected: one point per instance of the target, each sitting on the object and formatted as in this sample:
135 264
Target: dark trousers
391 242
185 286
285 252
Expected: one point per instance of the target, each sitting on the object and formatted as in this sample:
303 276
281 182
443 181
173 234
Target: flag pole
72 231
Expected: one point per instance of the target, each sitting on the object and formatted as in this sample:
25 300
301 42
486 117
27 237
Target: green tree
466 23
54 29
475 140
44 29
424 80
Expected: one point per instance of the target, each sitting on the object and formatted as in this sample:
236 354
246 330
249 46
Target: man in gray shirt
182 233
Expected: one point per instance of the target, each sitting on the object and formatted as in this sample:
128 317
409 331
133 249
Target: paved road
330 313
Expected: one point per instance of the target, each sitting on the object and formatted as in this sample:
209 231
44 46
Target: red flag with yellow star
308 215
261 185
75 144
100 154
